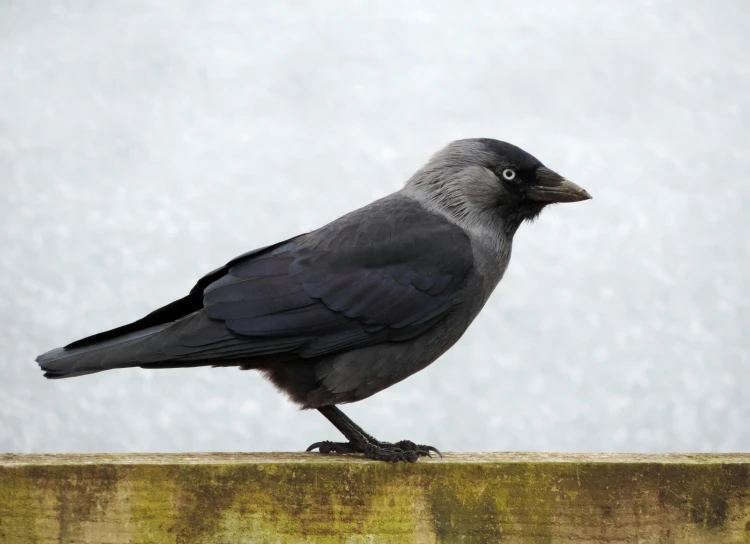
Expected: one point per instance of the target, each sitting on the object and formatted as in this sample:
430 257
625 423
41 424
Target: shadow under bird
340 313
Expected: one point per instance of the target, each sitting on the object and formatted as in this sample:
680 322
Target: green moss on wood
311 498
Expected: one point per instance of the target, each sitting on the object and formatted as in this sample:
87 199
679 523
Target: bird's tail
119 352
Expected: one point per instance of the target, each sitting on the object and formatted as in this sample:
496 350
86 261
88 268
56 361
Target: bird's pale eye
509 174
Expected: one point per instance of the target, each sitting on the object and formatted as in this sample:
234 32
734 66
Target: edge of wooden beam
515 498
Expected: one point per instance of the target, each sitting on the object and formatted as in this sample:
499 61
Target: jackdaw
340 313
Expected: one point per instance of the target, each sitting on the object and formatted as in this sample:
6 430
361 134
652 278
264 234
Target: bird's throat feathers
516 214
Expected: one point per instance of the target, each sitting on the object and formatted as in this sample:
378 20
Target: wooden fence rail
284 498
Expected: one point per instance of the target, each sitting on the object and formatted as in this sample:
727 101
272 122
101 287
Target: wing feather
326 292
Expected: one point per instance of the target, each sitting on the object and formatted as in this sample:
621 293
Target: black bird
340 313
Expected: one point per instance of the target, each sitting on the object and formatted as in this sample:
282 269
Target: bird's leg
361 442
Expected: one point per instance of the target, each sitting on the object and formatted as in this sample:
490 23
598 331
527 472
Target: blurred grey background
144 143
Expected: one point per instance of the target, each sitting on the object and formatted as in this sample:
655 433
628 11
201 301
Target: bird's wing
174 310
387 272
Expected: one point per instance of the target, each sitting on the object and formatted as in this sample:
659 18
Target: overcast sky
144 143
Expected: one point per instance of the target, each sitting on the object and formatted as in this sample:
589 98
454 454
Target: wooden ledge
296 497
11 459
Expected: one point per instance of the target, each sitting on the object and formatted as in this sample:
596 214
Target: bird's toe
327 446
420 449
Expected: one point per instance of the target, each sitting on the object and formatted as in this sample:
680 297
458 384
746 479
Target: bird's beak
552 187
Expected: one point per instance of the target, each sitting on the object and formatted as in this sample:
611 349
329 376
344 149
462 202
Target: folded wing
384 273
387 272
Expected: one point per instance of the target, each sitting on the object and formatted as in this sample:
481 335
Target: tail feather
119 352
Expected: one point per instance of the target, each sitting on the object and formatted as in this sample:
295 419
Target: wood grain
290 497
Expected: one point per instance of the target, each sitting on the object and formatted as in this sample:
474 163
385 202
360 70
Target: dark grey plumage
345 311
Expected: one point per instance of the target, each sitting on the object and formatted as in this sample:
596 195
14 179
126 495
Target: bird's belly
357 374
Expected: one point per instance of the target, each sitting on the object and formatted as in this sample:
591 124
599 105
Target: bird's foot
404 450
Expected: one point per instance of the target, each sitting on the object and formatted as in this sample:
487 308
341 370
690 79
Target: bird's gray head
490 183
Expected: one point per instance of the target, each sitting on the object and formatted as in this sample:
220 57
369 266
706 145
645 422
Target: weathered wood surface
284 498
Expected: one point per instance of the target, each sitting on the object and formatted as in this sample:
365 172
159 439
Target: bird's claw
420 449
327 446
404 451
